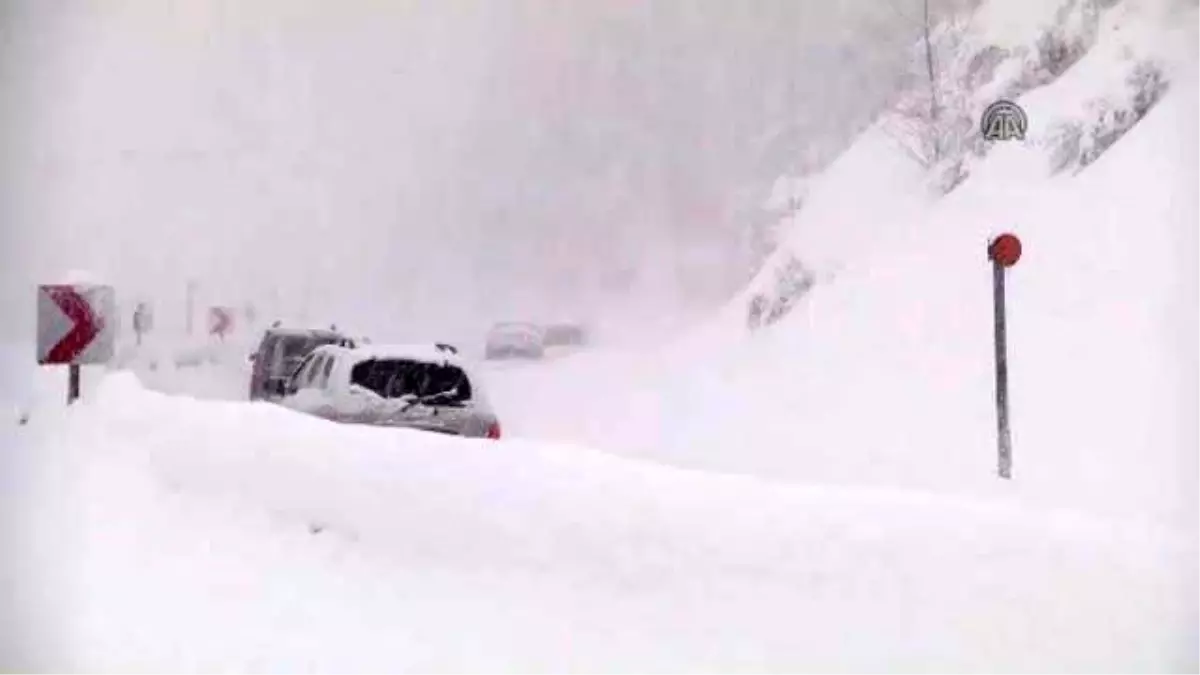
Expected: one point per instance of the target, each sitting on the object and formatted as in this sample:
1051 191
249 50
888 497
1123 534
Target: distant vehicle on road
419 387
515 340
280 353
564 334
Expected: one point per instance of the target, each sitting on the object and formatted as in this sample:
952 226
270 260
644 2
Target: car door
325 397
258 367
299 393
276 372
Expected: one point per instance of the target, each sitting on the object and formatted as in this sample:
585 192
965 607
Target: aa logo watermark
1003 121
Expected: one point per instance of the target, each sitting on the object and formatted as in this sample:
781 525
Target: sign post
190 305
1004 252
143 320
74 328
72 383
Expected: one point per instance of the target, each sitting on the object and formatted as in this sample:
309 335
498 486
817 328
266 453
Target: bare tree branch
933 97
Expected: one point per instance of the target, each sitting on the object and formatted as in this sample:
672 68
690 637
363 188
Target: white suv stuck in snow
419 387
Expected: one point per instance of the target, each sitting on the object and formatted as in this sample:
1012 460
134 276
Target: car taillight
494 431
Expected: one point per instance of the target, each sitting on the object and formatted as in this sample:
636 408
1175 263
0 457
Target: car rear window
393 378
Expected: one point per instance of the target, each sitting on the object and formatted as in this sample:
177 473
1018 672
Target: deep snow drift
161 532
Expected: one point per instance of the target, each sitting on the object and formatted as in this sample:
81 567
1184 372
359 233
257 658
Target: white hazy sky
412 163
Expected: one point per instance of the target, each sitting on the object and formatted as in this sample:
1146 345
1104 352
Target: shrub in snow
936 122
1062 44
1146 87
1064 141
981 67
1055 52
1075 144
1110 124
758 305
1148 84
788 284
771 218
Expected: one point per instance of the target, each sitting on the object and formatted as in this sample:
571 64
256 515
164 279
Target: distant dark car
564 335
515 340
280 353
418 387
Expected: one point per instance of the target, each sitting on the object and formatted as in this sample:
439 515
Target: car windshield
295 347
516 327
298 346
441 384
516 331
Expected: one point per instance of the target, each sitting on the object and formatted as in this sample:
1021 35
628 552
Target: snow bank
171 533
28 387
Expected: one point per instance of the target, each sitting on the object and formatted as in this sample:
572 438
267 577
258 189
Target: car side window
326 372
296 381
313 367
275 351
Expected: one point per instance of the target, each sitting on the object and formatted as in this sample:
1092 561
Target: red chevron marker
86 324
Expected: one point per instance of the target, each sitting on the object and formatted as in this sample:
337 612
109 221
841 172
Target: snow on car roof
527 326
292 329
427 353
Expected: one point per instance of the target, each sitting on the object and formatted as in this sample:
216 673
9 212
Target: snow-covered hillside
883 374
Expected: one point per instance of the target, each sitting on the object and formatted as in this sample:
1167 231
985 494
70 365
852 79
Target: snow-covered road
215 535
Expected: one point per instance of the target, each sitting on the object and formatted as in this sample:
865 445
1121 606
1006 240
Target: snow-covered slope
162 532
884 375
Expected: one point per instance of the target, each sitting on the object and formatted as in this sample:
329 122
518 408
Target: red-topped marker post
1004 251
